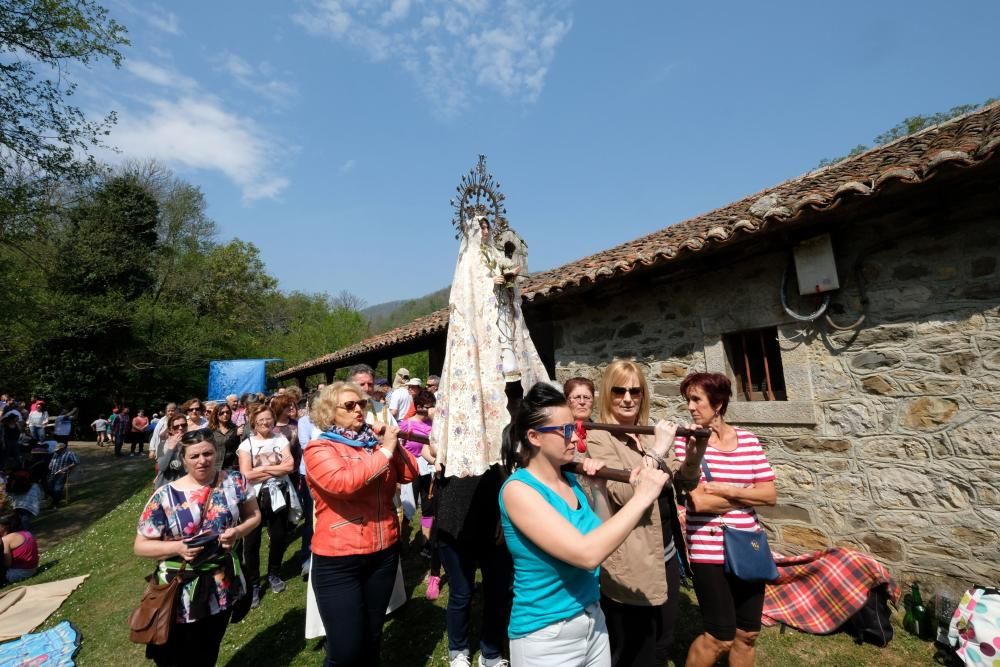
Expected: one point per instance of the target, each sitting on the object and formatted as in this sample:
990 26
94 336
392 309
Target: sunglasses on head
350 405
634 392
567 430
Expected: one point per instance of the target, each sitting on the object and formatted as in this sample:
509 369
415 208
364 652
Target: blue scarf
363 439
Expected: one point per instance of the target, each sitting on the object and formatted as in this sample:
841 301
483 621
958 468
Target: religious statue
489 355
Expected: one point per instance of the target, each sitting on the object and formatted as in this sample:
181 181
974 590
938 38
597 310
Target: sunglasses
194 409
567 430
634 392
350 405
174 427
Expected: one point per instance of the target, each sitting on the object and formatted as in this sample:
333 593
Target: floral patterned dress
471 399
173 514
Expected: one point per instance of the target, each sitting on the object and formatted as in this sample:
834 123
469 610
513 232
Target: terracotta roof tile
964 141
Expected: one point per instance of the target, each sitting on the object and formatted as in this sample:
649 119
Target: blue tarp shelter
236 376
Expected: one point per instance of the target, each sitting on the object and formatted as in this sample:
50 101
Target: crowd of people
575 570
35 463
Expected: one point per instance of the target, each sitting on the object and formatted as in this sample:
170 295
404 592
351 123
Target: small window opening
755 359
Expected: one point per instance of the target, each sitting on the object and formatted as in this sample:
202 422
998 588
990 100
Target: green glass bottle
919 613
908 617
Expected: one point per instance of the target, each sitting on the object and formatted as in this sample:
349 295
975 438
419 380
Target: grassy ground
105 508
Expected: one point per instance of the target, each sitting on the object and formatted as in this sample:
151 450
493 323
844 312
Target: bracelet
660 463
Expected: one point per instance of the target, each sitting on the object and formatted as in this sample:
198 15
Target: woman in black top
225 436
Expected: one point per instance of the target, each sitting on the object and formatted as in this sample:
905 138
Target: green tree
86 346
44 137
111 241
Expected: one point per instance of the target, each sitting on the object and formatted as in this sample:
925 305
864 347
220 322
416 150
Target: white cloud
197 133
452 48
161 76
161 19
260 78
348 166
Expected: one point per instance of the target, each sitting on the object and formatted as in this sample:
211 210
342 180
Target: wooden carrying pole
611 474
682 432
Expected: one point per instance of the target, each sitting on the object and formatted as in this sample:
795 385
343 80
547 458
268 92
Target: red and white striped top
744 466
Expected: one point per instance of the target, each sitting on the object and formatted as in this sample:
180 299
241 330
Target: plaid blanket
817 592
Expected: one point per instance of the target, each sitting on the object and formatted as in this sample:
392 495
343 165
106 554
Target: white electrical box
815 265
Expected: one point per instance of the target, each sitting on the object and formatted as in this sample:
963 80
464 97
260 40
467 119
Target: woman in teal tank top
558 535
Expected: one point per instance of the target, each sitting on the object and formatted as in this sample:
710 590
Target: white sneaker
461 660
502 662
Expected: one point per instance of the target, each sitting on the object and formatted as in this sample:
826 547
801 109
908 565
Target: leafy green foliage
112 239
124 296
906 127
44 137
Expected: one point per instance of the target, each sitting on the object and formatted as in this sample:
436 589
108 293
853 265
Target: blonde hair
324 406
614 376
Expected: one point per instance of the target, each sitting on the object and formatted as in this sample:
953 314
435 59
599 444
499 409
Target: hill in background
391 314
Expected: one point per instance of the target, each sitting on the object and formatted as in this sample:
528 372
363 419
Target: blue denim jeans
460 561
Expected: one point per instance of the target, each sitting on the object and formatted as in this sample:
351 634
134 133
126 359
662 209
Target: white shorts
574 642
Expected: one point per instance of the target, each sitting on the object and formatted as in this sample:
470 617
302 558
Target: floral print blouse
173 514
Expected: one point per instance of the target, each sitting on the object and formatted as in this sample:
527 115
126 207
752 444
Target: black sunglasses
634 392
350 405
566 429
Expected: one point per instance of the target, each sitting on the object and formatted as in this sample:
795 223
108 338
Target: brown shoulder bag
150 622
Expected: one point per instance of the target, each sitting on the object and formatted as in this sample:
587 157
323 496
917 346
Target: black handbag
747 553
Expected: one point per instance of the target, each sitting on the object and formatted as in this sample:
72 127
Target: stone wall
890 438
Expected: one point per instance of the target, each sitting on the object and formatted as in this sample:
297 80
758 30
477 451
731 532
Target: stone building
882 416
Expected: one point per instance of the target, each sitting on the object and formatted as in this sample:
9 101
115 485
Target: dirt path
96 486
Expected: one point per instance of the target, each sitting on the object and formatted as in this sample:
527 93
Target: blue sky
332 133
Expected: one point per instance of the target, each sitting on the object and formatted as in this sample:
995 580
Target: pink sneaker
433 587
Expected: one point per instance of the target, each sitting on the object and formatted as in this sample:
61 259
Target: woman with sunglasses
558 536
640 581
194 410
266 459
226 438
169 463
353 474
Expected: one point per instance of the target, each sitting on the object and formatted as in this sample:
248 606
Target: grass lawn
106 506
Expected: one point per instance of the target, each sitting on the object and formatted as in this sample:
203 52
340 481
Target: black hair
197 435
531 413
425 398
12 522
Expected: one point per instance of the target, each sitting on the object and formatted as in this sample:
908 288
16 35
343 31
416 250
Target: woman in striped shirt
741 479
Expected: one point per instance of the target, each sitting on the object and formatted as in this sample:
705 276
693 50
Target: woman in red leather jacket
352 474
